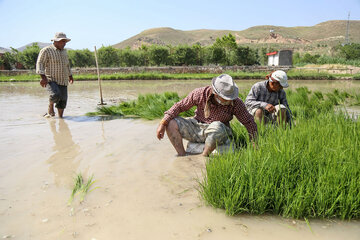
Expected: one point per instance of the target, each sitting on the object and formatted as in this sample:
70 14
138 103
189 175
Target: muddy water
142 190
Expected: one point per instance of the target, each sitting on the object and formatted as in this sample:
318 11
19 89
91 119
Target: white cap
281 77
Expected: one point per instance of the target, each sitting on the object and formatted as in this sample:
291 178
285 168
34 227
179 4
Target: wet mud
141 190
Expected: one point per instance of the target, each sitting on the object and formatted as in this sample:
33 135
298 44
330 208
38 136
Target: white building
280 58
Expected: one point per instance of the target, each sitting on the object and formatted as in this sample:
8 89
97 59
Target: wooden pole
99 80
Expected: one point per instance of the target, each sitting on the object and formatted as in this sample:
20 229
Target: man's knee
217 133
172 126
55 98
259 113
217 126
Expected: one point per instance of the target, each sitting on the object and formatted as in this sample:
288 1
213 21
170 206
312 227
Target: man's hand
43 81
270 108
71 79
160 131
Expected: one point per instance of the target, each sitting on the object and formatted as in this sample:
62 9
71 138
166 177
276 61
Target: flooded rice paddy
141 190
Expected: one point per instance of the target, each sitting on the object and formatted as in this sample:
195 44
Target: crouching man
216 105
267 100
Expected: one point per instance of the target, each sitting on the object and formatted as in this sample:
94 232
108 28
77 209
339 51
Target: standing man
267 101
216 105
54 68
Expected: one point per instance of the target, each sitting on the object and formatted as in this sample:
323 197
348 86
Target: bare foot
51 111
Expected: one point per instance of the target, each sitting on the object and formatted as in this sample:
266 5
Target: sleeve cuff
263 105
166 119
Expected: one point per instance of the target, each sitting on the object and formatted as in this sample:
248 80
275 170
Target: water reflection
63 162
93 118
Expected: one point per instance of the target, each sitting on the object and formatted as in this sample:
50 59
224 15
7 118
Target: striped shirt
54 63
218 112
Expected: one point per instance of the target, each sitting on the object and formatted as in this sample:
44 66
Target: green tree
145 55
9 59
199 54
350 51
228 44
129 58
108 57
296 58
29 56
218 55
185 55
159 55
246 56
81 58
308 58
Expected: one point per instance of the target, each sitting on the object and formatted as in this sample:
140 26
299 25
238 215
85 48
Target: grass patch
149 106
293 74
81 187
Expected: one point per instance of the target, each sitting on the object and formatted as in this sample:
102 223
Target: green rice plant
356 97
81 187
292 74
149 106
304 104
311 170
308 75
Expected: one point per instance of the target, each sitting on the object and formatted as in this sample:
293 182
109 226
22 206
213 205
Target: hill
4 50
40 44
324 34
20 49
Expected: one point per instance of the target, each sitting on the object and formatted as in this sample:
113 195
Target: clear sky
106 22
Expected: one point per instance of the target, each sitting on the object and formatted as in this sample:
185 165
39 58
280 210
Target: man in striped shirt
216 106
54 68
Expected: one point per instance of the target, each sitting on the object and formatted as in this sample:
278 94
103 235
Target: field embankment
183 73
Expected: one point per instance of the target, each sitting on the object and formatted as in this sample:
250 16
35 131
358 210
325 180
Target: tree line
225 51
344 54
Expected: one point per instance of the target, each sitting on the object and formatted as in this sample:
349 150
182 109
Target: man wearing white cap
216 106
267 99
54 68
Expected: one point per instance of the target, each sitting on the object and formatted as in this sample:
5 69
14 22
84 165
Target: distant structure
272 34
347 41
280 58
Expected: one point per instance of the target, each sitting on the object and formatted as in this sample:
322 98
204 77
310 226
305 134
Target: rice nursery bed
293 74
309 171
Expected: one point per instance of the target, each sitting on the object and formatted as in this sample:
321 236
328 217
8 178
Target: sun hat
281 77
225 87
60 36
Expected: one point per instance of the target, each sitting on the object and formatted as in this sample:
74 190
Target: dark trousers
58 94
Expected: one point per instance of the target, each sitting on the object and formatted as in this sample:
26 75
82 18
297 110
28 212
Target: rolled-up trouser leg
210 134
58 94
217 133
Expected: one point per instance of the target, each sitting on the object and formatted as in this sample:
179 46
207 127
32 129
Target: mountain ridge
330 33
